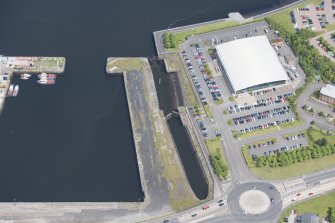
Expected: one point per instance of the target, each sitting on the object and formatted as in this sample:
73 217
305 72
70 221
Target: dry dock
10 66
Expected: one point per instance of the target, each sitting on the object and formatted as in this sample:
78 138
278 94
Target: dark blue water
73 141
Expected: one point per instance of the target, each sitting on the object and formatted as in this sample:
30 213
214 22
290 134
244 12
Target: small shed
278 42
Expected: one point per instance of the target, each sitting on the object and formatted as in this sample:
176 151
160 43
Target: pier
157 155
10 66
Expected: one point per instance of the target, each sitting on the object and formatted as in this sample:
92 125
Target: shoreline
232 16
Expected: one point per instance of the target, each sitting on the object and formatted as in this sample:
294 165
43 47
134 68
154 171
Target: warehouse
251 64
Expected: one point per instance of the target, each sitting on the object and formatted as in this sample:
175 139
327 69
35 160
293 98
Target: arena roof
250 61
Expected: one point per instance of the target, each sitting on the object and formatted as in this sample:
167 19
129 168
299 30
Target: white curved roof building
251 63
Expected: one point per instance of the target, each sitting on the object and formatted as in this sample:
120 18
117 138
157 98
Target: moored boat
10 90
25 76
46 82
47 76
15 91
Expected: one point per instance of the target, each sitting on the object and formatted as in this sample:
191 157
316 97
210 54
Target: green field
318 205
317 134
294 170
214 146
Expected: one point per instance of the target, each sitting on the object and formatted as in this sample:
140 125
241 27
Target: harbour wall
136 135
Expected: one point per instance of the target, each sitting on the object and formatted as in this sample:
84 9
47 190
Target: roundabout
254 202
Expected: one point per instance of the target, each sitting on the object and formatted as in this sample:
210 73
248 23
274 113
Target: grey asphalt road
237 211
320 176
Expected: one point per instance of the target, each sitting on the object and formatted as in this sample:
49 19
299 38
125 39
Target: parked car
205 207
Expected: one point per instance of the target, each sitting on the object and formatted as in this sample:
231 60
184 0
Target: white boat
47 76
46 82
25 76
15 91
42 75
10 90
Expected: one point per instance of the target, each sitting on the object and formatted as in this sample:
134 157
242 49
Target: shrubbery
169 40
297 155
218 164
331 215
208 70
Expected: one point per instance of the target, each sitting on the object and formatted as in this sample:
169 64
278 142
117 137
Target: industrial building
251 64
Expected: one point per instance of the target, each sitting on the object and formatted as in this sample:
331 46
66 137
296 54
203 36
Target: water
187 154
73 141
168 91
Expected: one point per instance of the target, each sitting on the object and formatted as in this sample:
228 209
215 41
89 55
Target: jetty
9 66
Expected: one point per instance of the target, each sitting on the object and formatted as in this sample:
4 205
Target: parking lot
315 17
253 111
208 128
279 144
200 72
268 111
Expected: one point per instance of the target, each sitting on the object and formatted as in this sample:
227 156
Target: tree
167 40
322 114
173 41
322 142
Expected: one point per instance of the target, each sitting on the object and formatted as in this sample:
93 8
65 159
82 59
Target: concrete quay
163 179
33 64
10 66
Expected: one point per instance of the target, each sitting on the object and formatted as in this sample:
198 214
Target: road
240 173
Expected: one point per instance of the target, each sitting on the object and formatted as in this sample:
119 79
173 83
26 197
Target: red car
311 193
205 207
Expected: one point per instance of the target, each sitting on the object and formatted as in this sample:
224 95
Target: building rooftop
310 218
250 61
329 90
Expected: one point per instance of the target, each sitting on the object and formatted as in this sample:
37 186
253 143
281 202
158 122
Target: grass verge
214 147
290 124
318 205
208 111
247 157
259 132
180 36
316 134
294 170
219 102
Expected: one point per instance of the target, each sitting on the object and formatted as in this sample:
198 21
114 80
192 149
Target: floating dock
10 66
